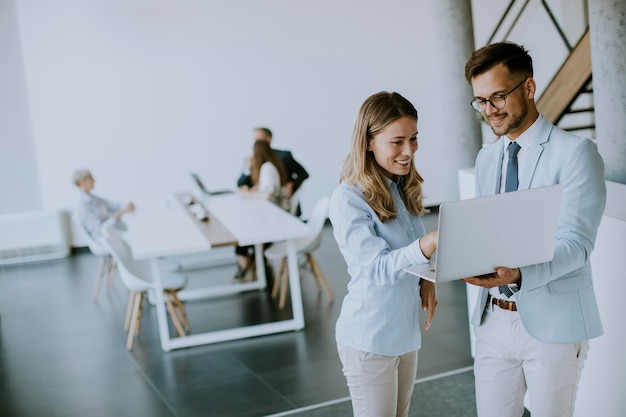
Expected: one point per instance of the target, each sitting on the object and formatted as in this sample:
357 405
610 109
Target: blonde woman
375 213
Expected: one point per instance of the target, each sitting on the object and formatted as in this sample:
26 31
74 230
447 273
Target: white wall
602 382
19 186
141 92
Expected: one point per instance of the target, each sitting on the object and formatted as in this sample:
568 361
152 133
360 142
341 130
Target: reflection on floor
61 354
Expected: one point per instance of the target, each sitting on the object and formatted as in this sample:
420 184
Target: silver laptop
478 235
198 182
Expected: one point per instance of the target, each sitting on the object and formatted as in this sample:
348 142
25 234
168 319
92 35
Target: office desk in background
171 230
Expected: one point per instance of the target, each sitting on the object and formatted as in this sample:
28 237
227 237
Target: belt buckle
503 304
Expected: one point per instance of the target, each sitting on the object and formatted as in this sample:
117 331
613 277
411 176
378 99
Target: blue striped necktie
511 184
512 180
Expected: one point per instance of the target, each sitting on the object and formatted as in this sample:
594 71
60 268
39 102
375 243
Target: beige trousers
508 361
380 386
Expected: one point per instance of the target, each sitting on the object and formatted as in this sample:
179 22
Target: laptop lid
198 182
480 234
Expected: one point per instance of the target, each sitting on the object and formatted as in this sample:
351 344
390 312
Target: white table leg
260 265
294 284
164 331
219 290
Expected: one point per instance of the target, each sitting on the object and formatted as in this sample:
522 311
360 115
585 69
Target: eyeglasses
497 101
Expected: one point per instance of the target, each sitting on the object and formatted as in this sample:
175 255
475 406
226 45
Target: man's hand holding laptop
501 276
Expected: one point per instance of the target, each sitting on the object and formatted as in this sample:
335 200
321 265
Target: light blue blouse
380 313
92 211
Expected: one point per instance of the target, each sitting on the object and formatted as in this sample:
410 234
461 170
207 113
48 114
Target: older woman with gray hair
92 211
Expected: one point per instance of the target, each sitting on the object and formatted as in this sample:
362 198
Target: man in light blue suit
533 324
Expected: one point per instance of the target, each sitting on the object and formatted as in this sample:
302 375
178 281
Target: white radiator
33 236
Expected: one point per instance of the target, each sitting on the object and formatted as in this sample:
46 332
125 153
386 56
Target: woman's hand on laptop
502 276
428 243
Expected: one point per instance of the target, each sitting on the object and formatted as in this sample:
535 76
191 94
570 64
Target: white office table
171 230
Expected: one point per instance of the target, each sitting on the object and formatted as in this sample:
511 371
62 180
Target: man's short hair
80 175
265 130
513 56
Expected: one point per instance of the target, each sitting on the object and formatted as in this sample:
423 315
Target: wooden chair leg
170 308
319 276
284 285
96 288
129 310
279 274
180 309
310 262
133 321
142 297
111 271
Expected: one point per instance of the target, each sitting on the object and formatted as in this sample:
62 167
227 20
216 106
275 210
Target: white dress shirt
525 141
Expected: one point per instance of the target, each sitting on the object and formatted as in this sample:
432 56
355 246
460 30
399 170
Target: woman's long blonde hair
360 167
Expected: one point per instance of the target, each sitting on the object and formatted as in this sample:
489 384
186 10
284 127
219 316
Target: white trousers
380 386
508 362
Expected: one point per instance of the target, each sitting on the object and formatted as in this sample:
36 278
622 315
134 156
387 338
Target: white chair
295 200
304 246
137 277
107 263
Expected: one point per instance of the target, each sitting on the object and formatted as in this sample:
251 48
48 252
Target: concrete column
19 175
449 131
608 59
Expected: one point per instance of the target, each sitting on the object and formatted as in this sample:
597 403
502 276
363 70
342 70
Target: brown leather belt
503 304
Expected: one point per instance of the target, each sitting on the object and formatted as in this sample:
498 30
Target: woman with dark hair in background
269 181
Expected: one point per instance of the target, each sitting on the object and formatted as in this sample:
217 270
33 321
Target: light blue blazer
556 301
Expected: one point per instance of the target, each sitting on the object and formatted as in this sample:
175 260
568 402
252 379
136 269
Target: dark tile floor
61 354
